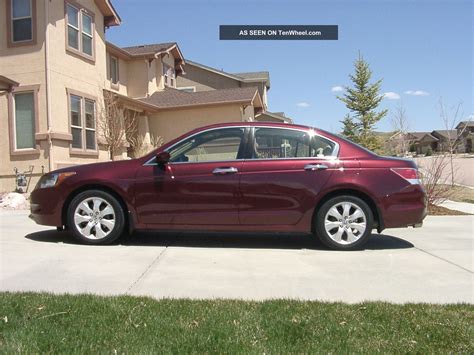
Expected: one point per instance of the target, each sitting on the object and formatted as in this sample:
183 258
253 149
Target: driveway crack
153 263
445 260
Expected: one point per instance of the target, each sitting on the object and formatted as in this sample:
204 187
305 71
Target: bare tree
140 147
451 118
400 127
434 180
116 125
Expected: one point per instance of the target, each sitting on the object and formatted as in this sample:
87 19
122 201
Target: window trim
248 140
81 9
9 32
12 120
82 151
117 70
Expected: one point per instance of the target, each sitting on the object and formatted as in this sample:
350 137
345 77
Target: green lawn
45 323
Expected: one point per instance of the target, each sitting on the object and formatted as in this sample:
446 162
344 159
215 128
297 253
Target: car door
198 186
287 169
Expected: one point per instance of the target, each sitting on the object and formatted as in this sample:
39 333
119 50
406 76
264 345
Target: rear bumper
45 207
405 208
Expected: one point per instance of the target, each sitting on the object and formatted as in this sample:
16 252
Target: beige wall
26 65
171 124
122 86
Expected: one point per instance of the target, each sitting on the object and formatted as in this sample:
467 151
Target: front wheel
95 217
344 223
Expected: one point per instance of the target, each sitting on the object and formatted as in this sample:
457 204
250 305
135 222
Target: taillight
409 174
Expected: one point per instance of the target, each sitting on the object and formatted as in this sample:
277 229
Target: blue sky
422 47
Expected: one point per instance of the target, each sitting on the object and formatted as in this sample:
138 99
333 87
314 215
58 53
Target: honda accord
253 177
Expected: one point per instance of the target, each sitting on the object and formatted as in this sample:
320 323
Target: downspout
48 89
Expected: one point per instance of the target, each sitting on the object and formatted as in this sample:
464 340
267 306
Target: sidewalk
459 206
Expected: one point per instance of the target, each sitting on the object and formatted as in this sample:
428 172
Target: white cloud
417 92
337 89
303 104
391 95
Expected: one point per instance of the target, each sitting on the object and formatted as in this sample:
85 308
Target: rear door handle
313 167
224 171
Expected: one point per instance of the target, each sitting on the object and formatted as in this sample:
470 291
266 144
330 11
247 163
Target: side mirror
163 158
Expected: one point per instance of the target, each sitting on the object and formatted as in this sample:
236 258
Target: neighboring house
56 67
446 139
465 131
199 77
422 142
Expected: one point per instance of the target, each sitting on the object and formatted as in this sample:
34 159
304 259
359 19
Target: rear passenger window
278 143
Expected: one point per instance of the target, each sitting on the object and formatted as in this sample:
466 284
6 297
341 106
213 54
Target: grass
85 323
462 194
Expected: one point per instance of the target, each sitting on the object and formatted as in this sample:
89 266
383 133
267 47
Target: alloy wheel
94 218
345 222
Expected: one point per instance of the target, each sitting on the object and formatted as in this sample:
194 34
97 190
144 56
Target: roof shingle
148 49
170 98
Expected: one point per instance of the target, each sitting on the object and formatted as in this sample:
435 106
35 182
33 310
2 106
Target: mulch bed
434 210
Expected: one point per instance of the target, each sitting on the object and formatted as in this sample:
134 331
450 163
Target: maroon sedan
238 177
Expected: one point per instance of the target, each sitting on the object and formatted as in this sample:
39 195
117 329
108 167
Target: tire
344 223
95 217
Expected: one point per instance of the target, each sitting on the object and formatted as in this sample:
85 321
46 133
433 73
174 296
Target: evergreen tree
349 128
362 100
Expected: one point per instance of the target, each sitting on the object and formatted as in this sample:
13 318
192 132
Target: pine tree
362 100
350 129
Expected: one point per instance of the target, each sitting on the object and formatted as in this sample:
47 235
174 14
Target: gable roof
255 76
248 77
111 17
149 51
448 134
173 98
418 136
465 123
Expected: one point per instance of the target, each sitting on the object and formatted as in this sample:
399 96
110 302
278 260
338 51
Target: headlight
51 180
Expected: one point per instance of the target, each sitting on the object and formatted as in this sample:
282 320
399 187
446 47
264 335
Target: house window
82 116
80 27
21 21
24 118
114 70
168 75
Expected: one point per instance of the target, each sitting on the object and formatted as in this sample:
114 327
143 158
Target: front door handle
224 171
313 167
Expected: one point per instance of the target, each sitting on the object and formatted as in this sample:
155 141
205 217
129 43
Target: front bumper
46 207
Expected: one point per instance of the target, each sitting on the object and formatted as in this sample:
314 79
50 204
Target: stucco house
55 68
199 77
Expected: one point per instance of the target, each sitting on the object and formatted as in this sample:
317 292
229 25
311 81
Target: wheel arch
128 220
378 220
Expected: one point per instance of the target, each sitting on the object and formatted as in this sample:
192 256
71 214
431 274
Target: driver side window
216 145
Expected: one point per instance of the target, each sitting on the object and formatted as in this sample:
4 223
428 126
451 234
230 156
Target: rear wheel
95 217
344 223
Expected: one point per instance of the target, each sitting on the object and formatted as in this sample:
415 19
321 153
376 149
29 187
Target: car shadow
224 240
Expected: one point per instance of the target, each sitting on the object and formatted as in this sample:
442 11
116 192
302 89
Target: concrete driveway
431 264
